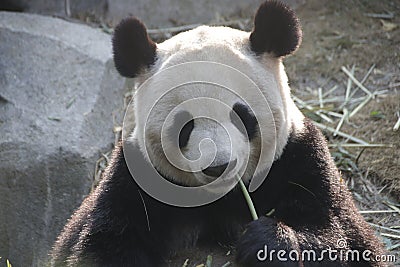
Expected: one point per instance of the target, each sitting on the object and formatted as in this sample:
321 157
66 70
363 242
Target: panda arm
110 228
303 185
313 208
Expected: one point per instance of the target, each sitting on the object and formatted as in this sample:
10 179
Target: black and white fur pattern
312 207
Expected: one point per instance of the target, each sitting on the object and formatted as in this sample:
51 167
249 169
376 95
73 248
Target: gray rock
165 13
94 8
58 93
155 13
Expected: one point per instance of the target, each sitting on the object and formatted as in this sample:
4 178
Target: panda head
213 101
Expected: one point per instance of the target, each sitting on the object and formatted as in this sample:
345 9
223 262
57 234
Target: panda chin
174 181
222 184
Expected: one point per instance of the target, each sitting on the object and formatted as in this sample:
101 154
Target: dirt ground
345 33
362 34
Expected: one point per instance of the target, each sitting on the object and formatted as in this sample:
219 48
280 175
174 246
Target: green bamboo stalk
248 200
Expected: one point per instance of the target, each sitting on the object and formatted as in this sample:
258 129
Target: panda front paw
259 239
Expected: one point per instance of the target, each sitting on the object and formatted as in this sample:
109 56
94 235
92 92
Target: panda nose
216 171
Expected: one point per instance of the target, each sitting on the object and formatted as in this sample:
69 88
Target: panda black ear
276 30
132 47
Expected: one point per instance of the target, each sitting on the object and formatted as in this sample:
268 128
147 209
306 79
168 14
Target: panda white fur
312 207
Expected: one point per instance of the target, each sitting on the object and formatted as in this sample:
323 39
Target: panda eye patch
247 119
182 128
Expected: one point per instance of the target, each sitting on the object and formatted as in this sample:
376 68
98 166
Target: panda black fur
120 225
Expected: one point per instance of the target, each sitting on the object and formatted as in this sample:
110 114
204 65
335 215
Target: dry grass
365 146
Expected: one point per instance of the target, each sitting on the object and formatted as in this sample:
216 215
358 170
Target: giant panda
254 130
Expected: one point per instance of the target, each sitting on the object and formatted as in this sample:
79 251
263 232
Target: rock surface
58 93
165 13
155 13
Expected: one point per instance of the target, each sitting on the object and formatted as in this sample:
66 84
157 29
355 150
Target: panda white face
213 101
222 134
